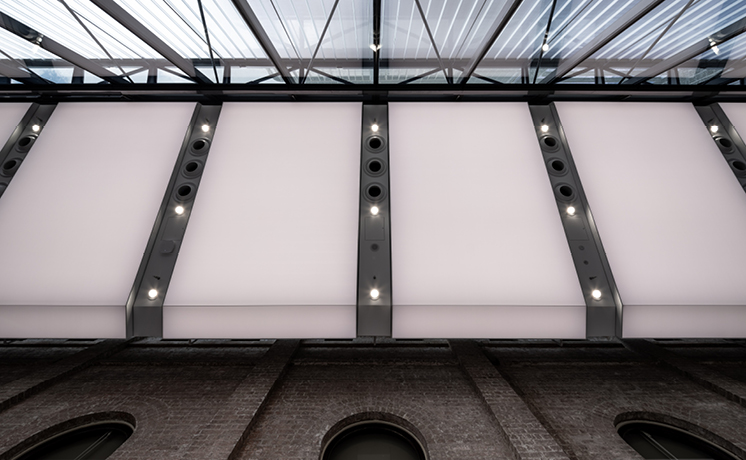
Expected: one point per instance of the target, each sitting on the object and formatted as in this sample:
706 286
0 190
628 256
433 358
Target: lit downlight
152 294
374 294
374 210
544 128
545 47
374 128
36 128
570 210
205 128
596 294
714 129
179 210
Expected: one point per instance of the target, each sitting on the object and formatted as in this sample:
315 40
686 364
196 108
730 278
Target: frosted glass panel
481 322
76 218
62 322
684 321
474 221
10 116
669 211
275 220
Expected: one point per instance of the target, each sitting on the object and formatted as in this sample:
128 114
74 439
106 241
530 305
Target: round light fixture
570 210
596 294
205 128
374 294
544 128
152 294
179 210
36 128
374 210
374 128
714 129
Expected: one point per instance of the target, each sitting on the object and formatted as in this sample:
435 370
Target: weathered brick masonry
286 399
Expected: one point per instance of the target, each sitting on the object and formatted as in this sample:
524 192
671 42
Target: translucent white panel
474 220
737 115
56 322
267 322
669 211
684 321
276 217
483 322
10 116
76 218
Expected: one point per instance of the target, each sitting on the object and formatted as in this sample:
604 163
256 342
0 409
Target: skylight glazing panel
403 34
179 24
725 60
54 20
669 29
524 33
13 46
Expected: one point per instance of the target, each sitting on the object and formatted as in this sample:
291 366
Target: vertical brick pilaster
527 436
223 438
18 390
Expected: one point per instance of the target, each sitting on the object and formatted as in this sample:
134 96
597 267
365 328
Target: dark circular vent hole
739 165
374 247
558 166
550 142
565 191
199 145
184 190
10 165
375 143
374 191
725 143
375 166
191 166
25 141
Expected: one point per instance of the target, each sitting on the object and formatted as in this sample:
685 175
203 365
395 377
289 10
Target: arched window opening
92 442
655 441
373 441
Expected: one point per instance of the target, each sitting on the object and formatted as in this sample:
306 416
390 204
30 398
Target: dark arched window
93 442
374 441
657 441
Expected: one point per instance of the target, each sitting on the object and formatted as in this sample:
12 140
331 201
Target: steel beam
604 310
726 138
261 36
20 142
129 22
374 237
145 303
376 40
716 39
490 37
19 74
27 33
636 13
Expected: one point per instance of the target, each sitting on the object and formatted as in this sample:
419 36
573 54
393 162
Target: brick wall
284 400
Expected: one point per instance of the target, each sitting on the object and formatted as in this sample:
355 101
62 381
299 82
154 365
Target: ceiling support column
727 139
604 305
20 142
145 302
374 237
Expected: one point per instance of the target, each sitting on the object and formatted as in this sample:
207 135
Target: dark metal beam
144 308
27 33
374 237
692 51
20 142
490 37
129 22
606 36
321 39
376 40
726 138
432 41
20 74
261 36
603 304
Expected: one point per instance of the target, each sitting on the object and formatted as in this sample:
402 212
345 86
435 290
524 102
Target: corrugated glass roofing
373 41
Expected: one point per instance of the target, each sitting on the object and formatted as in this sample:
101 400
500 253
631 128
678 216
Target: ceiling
389 43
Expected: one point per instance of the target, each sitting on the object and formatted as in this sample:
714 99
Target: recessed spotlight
570 210
152 294
205 128
545 47
375 47
374 294
374 128
374 210
714 129
544 128
596 294
179 210
35 128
